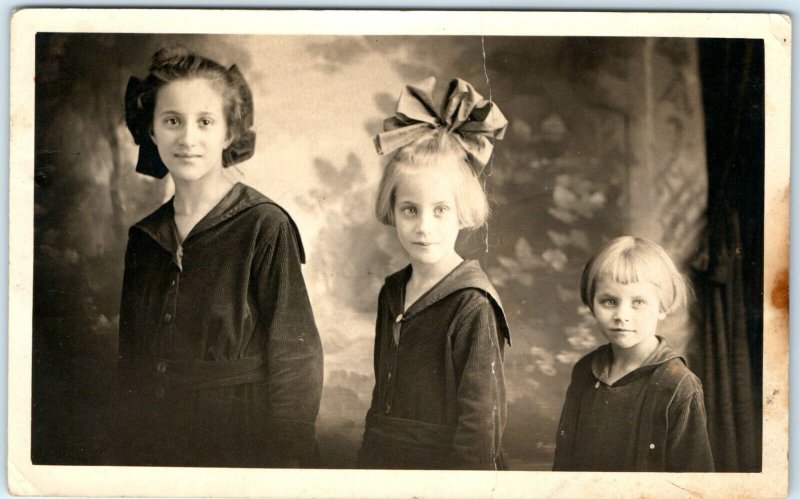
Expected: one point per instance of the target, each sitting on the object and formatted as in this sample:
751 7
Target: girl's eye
171 121
441 210
639 302
206 122
608 302
408 210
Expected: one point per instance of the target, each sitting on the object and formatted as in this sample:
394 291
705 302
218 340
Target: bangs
629 267
627 260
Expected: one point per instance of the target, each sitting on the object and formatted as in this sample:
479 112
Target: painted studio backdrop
661 138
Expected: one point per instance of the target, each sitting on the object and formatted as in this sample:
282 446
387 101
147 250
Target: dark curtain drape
732 73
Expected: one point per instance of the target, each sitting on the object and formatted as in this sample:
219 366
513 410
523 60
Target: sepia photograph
389 254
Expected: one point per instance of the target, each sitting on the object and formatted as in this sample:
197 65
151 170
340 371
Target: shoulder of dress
252 201
268 212
270 217
474 300
480 301
584 364
587 359
675 378
470 295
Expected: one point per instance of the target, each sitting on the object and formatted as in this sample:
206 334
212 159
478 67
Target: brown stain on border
780 290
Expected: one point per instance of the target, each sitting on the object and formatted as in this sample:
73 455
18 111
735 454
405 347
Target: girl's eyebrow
169 111
201 113
412 202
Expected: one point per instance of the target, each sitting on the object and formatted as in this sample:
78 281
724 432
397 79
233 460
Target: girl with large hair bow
439 398
220 356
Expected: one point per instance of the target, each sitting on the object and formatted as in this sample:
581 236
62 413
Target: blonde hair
630 259
438 151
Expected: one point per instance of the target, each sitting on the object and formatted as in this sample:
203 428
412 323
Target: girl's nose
187 135
622 314
423 223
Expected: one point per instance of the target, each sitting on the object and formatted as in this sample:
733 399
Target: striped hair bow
474 121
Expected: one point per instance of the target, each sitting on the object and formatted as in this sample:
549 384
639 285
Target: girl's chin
433 261
192 173
628 343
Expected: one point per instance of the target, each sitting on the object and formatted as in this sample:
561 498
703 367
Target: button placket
168 314
160 367
397 326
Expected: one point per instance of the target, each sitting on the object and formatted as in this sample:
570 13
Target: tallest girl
219 350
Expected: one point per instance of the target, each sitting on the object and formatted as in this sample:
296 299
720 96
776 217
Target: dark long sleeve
565 436
481 389
293 347
127 311
688 446
361 460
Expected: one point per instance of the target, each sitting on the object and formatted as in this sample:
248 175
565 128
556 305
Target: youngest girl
439 397
633 405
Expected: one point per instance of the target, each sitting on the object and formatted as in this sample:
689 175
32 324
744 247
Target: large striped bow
474 121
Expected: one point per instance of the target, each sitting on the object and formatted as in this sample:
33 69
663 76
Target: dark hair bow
475 122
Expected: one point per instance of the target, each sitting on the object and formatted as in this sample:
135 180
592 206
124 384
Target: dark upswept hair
178 63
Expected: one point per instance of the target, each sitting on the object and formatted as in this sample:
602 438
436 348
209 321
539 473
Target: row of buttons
161 366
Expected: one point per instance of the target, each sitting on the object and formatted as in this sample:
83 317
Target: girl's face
189 128
426 217
628 314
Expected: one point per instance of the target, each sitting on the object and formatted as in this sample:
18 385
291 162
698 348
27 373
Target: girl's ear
662 315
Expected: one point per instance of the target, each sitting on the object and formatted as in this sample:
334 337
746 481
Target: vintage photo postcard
398 254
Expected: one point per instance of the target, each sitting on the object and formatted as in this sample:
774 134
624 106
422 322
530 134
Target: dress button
159 392
172 282
161 367
389 376
652 446
167 318
562 433
388 407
